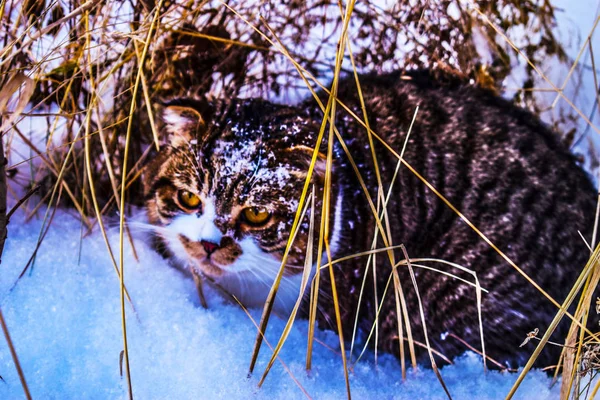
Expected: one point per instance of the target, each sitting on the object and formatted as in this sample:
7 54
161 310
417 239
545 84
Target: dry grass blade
316 280
595 390
414 262
285 367
375 214
273 292
88 167
361 254
591 264
148 102
123 191
473 349
585 241
436 270
424 323
379 308
572 351
324 231
199 288
308 263
109 168
398 292
397 297
572 69
22 200
597 216
314 289
380 200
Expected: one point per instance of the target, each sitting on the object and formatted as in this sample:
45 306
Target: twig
23 199
13 353
466 344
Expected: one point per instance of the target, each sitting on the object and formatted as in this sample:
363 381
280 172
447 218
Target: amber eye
188 199
256 215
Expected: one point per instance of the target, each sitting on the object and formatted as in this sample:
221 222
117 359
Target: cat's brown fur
498 164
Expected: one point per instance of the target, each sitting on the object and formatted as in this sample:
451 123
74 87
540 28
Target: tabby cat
224 192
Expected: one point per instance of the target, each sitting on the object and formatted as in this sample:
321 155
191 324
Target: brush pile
85 58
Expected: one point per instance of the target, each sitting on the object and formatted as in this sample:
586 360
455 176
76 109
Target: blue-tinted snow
64 318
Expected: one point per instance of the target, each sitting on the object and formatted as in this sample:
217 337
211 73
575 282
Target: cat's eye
256 216
189 199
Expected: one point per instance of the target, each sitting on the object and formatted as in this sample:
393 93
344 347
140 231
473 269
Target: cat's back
483 153
499 166
472 145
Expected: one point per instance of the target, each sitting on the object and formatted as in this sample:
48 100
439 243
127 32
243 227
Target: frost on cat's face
225 195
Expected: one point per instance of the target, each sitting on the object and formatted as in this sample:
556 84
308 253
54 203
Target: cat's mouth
213 261
206 265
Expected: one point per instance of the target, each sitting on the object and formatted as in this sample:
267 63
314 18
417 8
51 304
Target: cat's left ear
182 123
304 154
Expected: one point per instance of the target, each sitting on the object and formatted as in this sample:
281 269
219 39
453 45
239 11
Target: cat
224 191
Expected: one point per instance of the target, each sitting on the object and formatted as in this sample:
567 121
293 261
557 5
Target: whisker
142 226
266 260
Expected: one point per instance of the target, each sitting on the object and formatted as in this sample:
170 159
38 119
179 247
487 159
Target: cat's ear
182 124
305 154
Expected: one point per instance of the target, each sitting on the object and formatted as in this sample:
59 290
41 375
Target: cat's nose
209 246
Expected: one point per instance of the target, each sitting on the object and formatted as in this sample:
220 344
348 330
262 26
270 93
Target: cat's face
225 193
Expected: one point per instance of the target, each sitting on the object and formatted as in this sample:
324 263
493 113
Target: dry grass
95 70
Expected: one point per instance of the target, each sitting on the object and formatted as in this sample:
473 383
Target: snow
64 319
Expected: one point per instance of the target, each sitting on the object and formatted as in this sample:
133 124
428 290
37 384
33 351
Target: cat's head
224 191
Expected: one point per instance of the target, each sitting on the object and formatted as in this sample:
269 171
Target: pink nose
209 247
